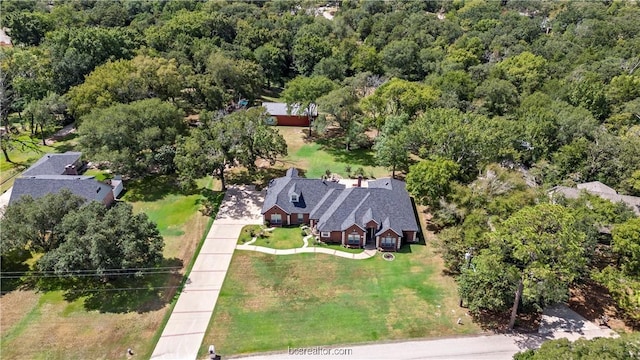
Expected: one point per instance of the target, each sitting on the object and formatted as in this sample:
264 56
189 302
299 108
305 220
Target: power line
92 270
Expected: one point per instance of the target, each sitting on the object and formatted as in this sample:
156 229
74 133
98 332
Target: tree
28 28
46 112
526 71
273 60
106 240
543 250
76 52
430 180
625 347
306 90
128 135
308 50
35 223
125 81
238 139
496 97
399 96
392 148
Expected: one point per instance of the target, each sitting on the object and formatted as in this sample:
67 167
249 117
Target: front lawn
269 303
281 238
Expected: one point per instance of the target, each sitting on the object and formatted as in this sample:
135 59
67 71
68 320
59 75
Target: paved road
184 332
494 347
558 322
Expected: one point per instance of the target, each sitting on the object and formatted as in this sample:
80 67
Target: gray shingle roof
39 186
52 164
607 193
336 208
311 192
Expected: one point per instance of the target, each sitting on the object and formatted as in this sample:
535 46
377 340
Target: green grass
247 230
340 248
315 159
281 238
269 303
100 175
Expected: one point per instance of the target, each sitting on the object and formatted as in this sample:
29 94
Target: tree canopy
130 136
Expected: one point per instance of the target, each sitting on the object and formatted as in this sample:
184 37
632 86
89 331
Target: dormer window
294 197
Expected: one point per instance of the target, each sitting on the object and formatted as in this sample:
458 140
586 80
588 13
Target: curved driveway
184 332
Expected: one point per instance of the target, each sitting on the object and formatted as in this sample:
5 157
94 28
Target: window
325 234
353 239
300 217
276 219
294 197
388 241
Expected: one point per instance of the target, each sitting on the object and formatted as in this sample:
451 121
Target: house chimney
359 180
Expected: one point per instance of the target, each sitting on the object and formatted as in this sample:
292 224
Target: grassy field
50 325
315 158
327 300
281 238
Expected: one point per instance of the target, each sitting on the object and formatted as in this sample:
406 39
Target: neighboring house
84 186
375 213
599 189
284 115
54 172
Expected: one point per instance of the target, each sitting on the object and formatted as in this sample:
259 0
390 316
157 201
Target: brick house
376 213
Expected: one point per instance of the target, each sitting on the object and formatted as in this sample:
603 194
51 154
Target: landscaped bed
273 302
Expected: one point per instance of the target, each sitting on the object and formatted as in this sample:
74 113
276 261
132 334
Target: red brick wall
354 228
389 233
276 210
292 120
372 224
294 219
108 199
408 235
334 237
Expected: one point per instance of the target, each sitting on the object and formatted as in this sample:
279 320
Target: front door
371 239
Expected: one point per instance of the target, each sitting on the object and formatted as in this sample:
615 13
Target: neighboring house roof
337 208
52 164
596 186
278 109
599 189
39 186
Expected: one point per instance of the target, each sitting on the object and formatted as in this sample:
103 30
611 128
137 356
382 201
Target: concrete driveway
184 332
4 200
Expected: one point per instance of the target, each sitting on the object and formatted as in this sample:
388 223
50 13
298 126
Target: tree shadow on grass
260 177
12 266
154 188
124 294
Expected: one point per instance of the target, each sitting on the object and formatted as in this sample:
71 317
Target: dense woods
483 105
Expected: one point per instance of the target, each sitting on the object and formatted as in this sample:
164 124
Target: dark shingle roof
310 193
382 199
336 208
39 186
52 164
